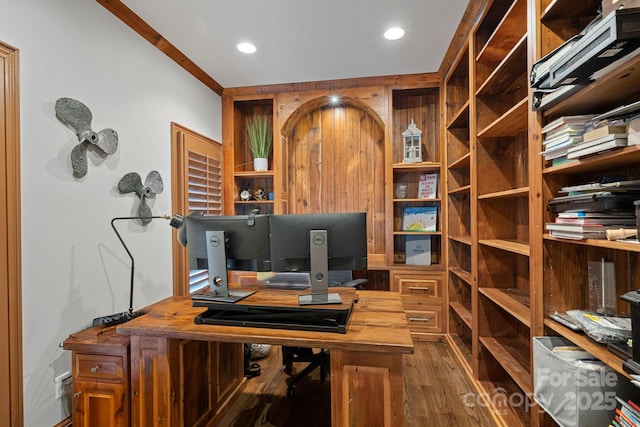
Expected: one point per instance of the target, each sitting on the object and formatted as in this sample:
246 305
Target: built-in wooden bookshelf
505 274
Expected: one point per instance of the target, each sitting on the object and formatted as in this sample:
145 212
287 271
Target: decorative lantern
412 144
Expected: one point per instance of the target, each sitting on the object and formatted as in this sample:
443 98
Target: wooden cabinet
422 297
112 376
100 371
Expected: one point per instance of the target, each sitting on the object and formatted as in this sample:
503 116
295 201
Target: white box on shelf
418 250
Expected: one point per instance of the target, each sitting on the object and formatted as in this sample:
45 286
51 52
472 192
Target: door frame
10 238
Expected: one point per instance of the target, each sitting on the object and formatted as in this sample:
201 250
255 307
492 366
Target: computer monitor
319 243
221 243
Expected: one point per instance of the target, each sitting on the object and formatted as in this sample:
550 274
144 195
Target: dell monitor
319 243
221 243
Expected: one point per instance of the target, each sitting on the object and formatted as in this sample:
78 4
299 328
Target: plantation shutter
204 173
197 188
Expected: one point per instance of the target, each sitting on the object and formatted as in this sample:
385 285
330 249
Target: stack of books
561 134
605 136
587 211
589 225
627 414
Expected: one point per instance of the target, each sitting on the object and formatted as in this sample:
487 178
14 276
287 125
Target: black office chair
291 355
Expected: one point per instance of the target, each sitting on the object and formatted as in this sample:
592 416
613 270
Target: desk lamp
117 318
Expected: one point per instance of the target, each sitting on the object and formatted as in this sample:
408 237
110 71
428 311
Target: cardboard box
633 132
609 6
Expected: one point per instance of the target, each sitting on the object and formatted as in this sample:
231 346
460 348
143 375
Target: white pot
260 164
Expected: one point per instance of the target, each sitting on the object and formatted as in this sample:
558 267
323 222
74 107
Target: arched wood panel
336 164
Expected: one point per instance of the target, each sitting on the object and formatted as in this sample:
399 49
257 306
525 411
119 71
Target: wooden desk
366 362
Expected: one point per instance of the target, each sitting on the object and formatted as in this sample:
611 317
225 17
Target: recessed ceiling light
394 33
246 48
334 99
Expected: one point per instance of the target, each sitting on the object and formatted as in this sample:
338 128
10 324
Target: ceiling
302 40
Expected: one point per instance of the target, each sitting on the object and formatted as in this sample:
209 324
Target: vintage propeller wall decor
78 117
132 183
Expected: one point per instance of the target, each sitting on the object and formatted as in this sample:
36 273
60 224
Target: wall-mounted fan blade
74 114
79 160
107 141
144 211
154 182
78 117
130 183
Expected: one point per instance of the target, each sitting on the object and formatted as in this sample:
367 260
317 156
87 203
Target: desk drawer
417 286
427 320
99 366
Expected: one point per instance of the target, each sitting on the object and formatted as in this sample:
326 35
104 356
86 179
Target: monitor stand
217 263
319 252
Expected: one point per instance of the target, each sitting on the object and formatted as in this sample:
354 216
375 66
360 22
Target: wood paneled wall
336 164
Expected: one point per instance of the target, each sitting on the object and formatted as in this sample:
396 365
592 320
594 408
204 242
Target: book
580 228
584 214
604 143
597 221
560 121
428 186
599 132
421 218
577 235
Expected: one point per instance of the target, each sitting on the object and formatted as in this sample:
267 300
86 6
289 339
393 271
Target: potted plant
260 137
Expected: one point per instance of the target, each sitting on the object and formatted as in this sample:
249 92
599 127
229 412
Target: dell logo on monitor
214 241
318 239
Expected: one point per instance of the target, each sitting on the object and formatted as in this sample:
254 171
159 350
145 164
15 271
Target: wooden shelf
461 118
253 174
513 301
608 160
503 350
464 275
506 35
511 122
461 190
461 163
461 350
598 243
514 246
465 240
426 166
417 233
507 194
512 68
600 351
253 202
463 313
414 199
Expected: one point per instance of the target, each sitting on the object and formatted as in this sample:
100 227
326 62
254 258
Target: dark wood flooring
436 394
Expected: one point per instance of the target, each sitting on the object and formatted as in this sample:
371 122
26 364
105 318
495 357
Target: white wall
74 268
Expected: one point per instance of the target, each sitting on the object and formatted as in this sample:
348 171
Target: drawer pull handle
77 394
418 288
420 319
95 368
